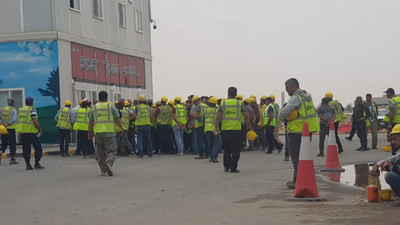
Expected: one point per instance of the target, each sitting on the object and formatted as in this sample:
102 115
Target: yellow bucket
387 148
386 195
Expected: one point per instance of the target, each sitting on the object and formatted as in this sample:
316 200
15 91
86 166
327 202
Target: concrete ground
180 190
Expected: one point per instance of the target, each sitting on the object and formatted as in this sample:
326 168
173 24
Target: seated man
391 165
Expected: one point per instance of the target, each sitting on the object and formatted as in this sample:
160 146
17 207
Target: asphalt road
181 190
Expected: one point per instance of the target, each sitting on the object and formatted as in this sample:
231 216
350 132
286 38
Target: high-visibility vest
306 114
64 119
396 102
124 118
132 122
340 115
180 114
82 119
103 118
368 122
153 112
143 115
6 116
165 116
261 112
25 122
199 122
209 119
266 116
386 118
231 114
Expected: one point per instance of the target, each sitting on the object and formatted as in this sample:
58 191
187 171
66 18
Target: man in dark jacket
360 115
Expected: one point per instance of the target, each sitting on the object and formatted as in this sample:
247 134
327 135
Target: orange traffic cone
306 185
332 163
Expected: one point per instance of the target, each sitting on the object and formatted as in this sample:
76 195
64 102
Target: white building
88 45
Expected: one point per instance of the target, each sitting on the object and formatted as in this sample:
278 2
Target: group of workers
202 126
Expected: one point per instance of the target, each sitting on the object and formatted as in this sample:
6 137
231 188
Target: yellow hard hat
68 102
253 96
116 102
171 102
3 130
396 129
239 96
253 99
248 100
251 135
272 96
154 105
328 94
178 98
164 99
263 97
213 100
142 98
126 103
293 116
194 98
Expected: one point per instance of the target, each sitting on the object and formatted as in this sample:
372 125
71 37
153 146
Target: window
122 14
15 93
139 23
75 4
97 8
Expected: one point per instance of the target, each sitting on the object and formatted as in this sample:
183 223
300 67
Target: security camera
154 25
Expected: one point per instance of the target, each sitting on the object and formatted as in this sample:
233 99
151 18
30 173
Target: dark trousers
64 141
323 132
269 133
339 144
286 143
155 139
9 140
131 138
187 143
28 139
165 138
353 131
83 143
361 133
294 142
231 140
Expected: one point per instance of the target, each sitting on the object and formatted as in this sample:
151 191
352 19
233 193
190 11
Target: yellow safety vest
180 114
209 119
231 114
103 118
124 118
306 114
200 120
396 102
261 112
340 115
386 118
165 116
154 122
82 119
64 119
143 115
25 122
266 116
6 116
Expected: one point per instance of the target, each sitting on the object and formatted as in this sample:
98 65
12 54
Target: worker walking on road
300 101
326 115
8 118
230 113
63 119
30 130
340 115
81 125
179 123
394 112
101 124
373 120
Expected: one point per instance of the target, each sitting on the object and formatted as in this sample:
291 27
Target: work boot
109 171
29 167
347 138
13 161
286 158
340 151
38 166
291 184
321 155
374 147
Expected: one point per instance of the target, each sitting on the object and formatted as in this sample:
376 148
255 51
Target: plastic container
386 195
387 148
373 194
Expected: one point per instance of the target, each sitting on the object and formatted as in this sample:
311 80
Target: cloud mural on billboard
29 65
33 66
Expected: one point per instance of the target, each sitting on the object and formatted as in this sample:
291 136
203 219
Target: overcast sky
348 47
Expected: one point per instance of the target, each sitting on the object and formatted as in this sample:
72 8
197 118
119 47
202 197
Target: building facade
54 50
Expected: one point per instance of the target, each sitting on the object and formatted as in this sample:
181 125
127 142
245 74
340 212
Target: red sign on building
93 65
